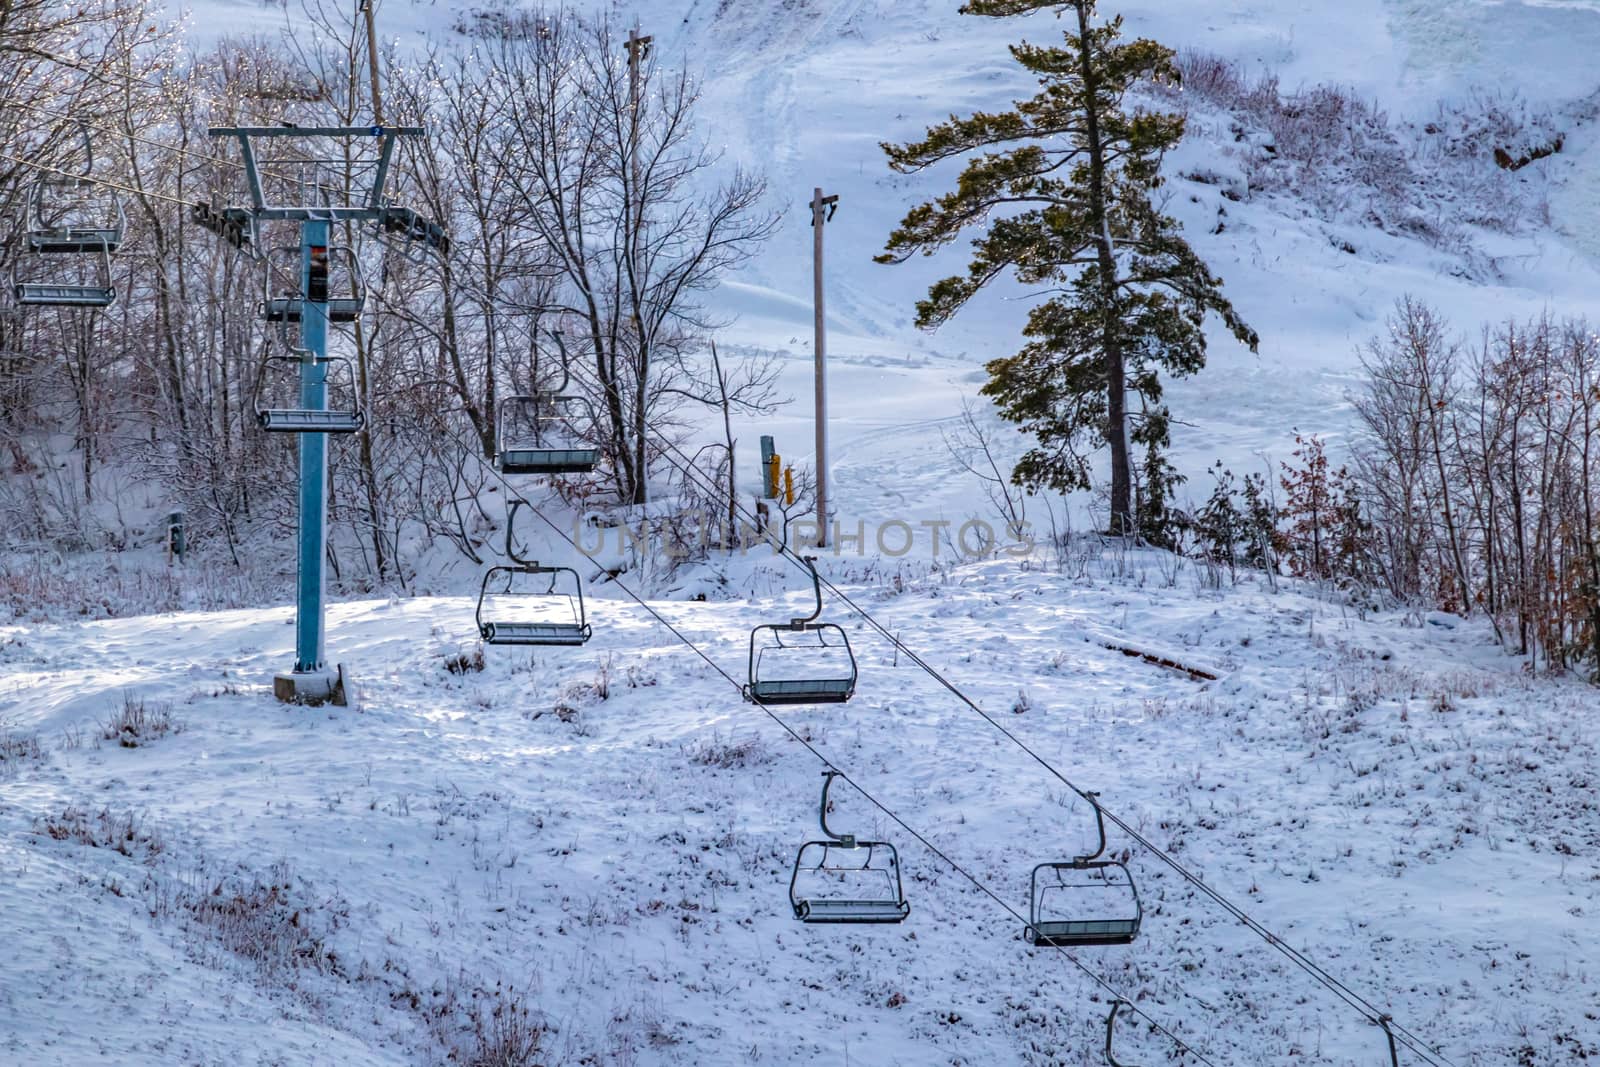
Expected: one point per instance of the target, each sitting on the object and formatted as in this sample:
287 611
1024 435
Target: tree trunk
1111 356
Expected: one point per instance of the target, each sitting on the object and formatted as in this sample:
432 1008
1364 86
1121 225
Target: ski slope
1390 794
804 91
1397 801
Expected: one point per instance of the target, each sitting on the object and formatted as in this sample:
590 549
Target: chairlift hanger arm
512 554
561 347
1394 1052
1100 829
816 585
847 840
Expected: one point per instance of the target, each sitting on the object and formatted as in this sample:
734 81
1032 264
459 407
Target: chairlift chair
514 616
548 441
74 224
73 216
55 294
802 661
300 419
538 432
414 228
845 880
1087 901
289 306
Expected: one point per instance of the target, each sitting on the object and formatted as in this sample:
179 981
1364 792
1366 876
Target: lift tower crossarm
367 212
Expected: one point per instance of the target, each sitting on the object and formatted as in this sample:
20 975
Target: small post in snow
822 209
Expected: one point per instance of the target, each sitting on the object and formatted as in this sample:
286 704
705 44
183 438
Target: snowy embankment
600 838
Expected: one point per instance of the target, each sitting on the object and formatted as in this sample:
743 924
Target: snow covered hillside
583 856
602 839
805 90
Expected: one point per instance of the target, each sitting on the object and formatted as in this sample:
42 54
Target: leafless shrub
481 1025
1348 157
139 722
1210 76
976 445
726 753
266 920
17 748
124 832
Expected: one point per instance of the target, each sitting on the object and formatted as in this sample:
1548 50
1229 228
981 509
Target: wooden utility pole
822 209
372 61
638 49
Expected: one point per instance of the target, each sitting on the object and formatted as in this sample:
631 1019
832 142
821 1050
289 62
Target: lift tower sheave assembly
312 681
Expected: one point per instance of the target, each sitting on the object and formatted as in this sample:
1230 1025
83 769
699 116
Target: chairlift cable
974 880
95 181
1344 992
134 137
1340 989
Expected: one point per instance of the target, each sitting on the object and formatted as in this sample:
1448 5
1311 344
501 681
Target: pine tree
1064 182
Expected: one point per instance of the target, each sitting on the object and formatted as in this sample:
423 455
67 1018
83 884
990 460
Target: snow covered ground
589 850
1396 800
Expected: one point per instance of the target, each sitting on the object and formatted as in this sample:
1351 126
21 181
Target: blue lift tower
311 308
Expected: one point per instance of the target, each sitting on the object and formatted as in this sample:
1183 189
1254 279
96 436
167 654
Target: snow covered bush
725 753
1349 159
16 748
139 722
122 832
267 920
482 1024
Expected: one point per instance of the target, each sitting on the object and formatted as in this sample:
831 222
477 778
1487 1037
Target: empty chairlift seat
802 661
36 294
344 299
530 604
292 309
527 603
74 227
845 880
1085 901
279 406
541 433
75 240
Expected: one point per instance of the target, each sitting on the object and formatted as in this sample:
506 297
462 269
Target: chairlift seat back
1070 932
852 911
75 240
784 692
37 294
548 460
306 420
